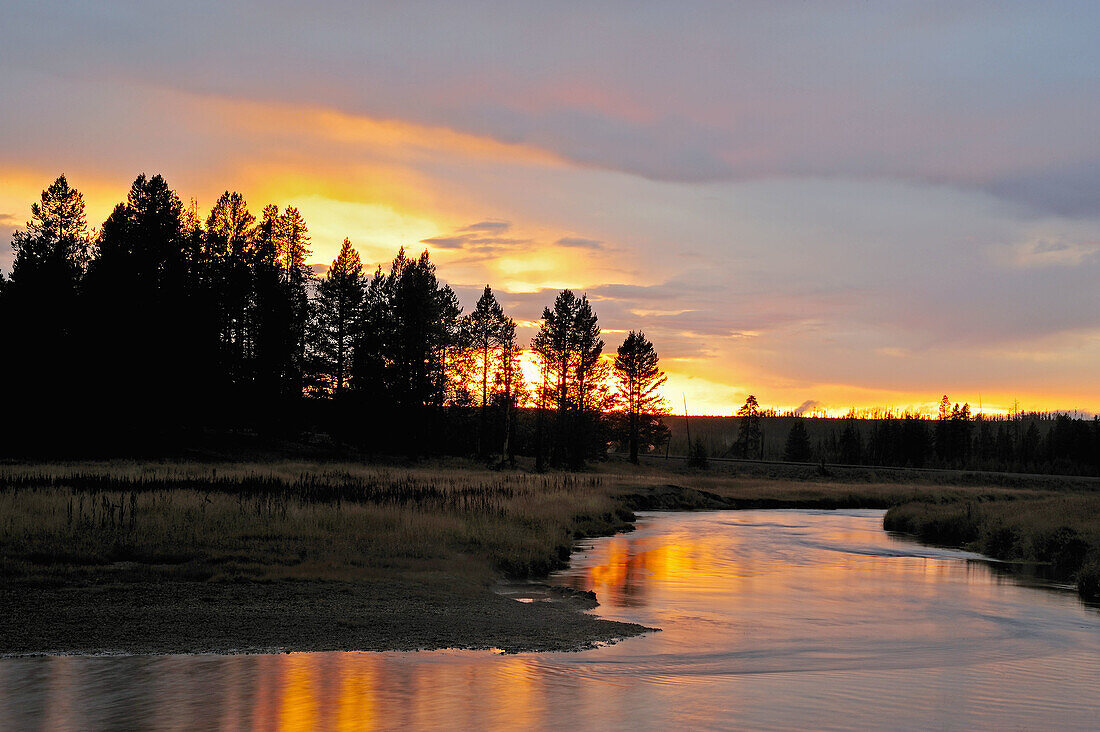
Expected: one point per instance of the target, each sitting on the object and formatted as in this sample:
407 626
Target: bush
1088 581
697 456
1000 542
1062 547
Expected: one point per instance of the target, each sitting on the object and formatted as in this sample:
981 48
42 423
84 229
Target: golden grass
61 519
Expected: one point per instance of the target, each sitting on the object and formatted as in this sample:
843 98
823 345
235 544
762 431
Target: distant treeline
164 328
954 439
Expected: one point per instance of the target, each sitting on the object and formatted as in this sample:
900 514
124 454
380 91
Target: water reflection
771 619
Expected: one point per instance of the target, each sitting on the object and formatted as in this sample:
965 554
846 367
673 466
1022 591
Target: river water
771 619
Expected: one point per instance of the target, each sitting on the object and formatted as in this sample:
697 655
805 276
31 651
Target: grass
1060 531
291 520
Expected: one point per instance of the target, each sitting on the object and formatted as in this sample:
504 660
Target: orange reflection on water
624 569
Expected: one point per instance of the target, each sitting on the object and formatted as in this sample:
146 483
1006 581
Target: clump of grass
1088 581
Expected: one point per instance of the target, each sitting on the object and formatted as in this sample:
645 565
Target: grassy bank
219 557
293 520
1059 531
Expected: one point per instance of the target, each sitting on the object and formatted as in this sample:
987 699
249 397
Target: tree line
955 438
164 327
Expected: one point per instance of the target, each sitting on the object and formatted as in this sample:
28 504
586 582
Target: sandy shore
213 617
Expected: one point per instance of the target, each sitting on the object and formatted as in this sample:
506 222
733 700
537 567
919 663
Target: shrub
1088 581
697 456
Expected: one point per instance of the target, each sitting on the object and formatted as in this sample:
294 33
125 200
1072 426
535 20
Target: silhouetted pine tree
510 390
638 378
231 257
339 299
553 346
151 374
749 443
797 449
568 347
851 444
483 332
42 316
407 346
591 396
279 308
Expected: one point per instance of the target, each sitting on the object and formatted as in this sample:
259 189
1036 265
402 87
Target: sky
828 205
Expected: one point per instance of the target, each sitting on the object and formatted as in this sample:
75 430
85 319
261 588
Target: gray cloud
579 242
494 226
475 243
1069 190
484 238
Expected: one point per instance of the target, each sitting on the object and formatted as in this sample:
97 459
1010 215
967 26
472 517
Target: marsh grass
1061 531
291 520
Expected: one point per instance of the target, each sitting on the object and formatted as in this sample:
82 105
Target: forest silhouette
164 332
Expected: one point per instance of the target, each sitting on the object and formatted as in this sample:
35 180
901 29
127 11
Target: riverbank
1061 533
158 557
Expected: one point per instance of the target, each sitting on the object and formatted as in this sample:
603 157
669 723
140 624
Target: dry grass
1061 531
290 520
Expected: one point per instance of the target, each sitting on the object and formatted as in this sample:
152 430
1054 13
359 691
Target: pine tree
52 251
510 389
798 449
483 330
42 317
272 312
749 435
851 444
293 247
638 378
483 335
420 325
292 253
568 348
231 254
147 328
140 253
339 299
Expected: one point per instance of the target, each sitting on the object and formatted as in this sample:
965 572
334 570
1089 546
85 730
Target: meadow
293 520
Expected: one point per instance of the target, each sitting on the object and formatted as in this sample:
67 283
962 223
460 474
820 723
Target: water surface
772 619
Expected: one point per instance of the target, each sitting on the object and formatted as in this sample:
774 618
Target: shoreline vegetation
1057 535
159 557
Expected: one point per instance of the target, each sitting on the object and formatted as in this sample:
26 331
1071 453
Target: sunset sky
848 203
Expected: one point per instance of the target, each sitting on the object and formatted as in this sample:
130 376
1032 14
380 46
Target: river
771 620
